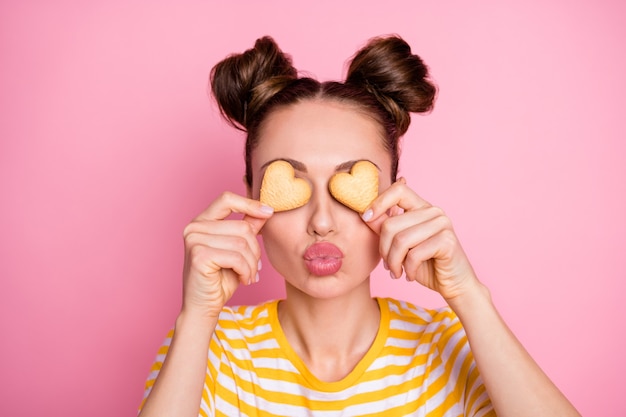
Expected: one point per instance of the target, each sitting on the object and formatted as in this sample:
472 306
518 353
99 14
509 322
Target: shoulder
439 328
246 320
246 312
436 331
405 312
243 332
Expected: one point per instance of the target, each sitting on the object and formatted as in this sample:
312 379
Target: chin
326 287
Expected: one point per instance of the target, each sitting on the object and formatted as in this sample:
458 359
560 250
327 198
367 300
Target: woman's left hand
417 239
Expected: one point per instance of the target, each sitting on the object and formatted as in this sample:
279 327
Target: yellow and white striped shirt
420 364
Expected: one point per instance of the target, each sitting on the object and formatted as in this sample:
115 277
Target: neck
330 335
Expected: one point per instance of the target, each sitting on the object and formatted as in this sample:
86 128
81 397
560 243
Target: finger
420 266
228 203
255 222
398 197
210 260
202 232
427 262
419 262
404 230
249 249
232 235
407 238
374 223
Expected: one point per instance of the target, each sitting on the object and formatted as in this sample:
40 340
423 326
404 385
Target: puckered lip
322 250
323 259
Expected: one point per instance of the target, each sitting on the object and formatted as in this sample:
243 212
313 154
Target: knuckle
190 229
449 237
445 222
414 258
399 184
241 229
400 239
246 228
385 227
242 266
437 211
197 252
228 196
240 243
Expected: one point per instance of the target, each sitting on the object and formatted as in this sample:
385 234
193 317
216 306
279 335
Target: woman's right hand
221 253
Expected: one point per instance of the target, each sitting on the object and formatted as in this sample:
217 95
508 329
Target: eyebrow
345 166
299 166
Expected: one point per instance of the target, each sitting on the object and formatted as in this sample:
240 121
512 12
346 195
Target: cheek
362 240
363 252
282 242
274 231
372 242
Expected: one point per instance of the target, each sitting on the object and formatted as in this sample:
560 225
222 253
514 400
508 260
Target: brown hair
384 79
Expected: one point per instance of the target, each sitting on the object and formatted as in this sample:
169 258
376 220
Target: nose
323 207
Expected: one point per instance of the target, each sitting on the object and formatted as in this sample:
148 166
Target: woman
329 348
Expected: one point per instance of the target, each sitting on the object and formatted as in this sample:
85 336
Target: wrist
194 322
475 294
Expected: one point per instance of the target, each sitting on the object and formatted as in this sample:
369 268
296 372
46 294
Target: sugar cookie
358 188
281 190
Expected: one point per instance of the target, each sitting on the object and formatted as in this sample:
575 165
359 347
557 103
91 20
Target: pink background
109 145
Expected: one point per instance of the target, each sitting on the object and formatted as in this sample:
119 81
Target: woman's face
323 248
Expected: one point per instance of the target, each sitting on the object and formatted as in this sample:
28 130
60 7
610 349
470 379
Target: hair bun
242 83
399 79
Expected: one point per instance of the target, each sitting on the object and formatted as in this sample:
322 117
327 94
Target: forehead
320 127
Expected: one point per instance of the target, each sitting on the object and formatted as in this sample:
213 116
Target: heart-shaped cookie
358 188
281 190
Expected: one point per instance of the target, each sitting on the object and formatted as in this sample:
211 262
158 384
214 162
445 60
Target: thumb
380 209
375 222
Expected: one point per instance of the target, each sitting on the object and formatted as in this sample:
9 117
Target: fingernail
259 265
369 213
392 275
267 209
257 277
385 265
